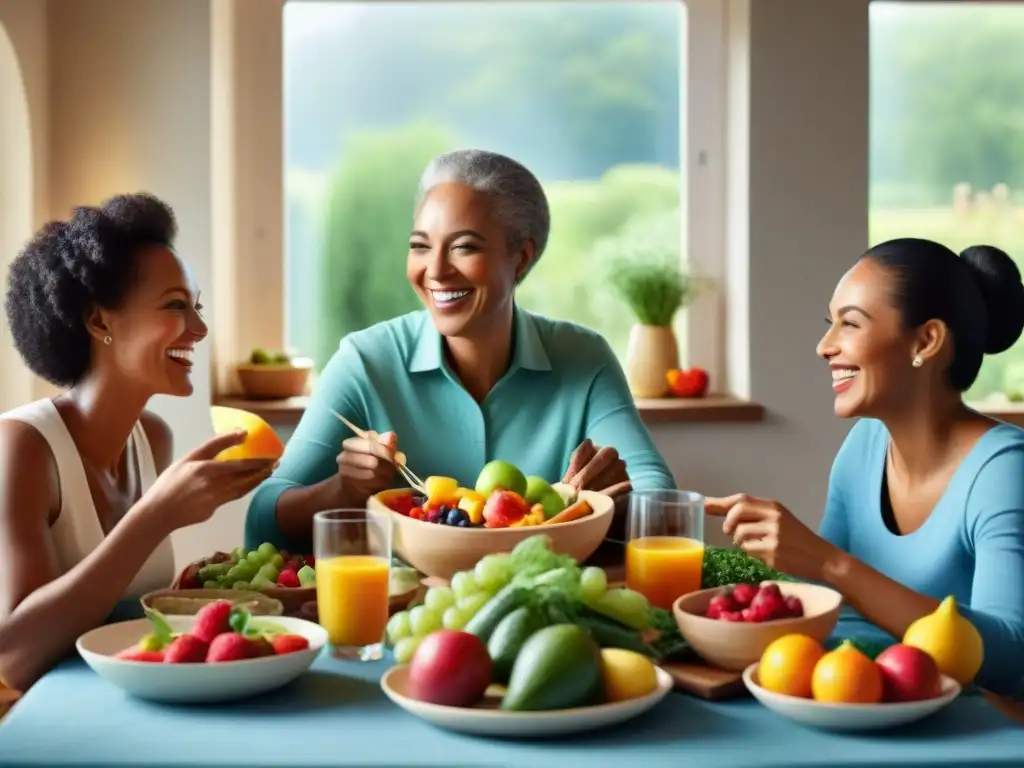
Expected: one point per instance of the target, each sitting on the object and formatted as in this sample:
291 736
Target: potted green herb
654 290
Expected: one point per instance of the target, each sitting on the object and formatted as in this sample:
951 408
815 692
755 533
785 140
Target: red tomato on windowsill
688 383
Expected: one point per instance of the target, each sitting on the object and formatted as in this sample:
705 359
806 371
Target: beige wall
130 100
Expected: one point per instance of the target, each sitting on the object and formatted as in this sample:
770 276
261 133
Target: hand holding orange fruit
261 442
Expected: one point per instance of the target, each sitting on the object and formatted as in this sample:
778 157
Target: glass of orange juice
353 568
665 545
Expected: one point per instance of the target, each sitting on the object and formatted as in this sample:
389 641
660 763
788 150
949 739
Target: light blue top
971 546
564 384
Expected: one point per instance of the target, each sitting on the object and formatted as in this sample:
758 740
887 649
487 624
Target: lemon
627 675
787 665
950 639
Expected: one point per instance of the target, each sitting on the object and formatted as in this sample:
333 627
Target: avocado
508 639
558 667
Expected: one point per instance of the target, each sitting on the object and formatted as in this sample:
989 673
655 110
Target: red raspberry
289 643
212 620
287 578
186 649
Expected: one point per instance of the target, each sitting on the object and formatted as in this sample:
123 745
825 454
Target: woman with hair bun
471 378
926 495
102 307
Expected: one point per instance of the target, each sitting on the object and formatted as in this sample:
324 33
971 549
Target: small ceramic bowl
274 381
733 645
443 550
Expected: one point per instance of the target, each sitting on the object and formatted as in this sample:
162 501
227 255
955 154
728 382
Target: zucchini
497 608
611 634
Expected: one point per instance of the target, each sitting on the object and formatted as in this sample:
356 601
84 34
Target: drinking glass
665 545
353 569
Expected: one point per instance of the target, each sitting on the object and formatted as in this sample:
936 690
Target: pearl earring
108 340
917 362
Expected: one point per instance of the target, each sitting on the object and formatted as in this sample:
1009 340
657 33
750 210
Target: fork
400 463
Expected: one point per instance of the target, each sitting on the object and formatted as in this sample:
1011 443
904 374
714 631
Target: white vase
652 352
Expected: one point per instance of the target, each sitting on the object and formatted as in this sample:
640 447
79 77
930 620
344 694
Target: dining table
337 714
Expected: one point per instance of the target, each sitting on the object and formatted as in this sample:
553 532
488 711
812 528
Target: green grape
267 549
625 605
439 599
493 572
473 603
276 560
211 584
464 584
593 583
423 621
399 627
405 648
454 618
256 558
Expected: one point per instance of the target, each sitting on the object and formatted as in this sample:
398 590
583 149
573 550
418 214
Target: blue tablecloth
337 715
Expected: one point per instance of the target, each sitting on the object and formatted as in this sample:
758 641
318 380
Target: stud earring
917 362
108 340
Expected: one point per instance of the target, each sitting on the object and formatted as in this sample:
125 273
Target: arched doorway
16 195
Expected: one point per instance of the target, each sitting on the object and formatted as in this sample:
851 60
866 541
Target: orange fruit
847 676
787 665
261 441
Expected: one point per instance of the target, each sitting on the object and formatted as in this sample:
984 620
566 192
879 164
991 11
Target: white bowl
195 683
488 720
849 717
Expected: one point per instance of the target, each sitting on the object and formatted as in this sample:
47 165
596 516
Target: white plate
487 720
848 717
195 683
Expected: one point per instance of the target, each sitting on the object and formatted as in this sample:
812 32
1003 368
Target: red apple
450 668
908 674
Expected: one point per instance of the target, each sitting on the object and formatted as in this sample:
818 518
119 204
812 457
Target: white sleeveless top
77 530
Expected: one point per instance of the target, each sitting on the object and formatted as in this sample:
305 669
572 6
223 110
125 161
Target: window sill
1012 413
710 409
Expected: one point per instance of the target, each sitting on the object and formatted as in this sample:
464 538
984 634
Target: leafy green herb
238 619
163 631
723 565
653 291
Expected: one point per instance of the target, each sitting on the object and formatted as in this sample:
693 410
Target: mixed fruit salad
265 567
221 632
503 497
535 621
754 604
941 643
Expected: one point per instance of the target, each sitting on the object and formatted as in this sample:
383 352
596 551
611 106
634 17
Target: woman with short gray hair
470 379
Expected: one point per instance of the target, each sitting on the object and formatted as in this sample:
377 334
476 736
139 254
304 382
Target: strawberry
137 654
230 646
287 578
212 620
289 643
293 564
261 647
186 649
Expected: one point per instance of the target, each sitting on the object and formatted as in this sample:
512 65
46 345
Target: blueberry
454 517
463 522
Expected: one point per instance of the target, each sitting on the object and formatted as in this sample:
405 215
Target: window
586 94
947 149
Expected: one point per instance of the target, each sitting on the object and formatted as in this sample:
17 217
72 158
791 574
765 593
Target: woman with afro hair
102 307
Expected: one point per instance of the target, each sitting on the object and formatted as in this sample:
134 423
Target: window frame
702 152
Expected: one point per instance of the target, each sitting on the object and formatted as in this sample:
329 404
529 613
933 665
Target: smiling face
154 331
866 346
460 263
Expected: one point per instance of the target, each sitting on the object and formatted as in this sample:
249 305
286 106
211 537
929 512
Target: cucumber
497 608
508 638
611 634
